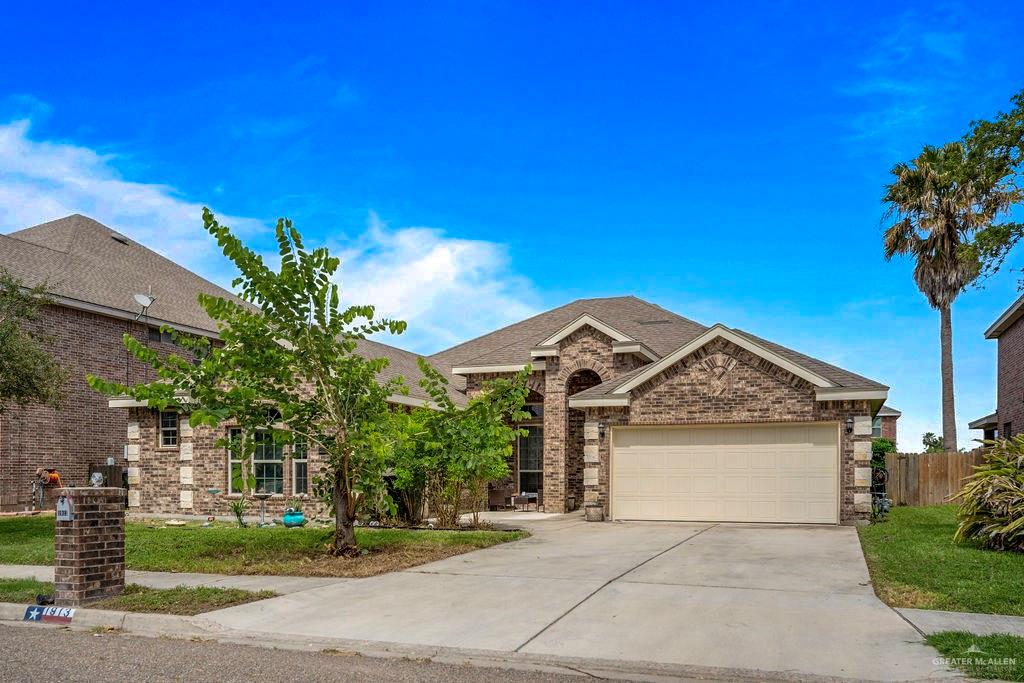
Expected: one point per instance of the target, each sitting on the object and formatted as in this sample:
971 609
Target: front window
535 410
876 427
268 463
531 460
267 468
168 429
300 468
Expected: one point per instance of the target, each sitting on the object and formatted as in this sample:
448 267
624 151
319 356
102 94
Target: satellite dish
144 300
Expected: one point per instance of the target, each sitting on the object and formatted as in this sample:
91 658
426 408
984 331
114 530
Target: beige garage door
746 473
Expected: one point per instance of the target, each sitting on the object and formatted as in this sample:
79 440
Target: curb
174 626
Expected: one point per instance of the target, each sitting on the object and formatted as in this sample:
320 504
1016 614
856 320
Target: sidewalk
282 585
934 621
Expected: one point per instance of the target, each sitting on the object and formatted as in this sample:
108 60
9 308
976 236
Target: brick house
636 413
1008 418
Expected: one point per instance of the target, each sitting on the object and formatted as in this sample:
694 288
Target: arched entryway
577 382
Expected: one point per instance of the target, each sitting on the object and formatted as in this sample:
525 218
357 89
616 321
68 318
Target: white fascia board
128 315
402 399
129 402
539 366
635 347
585 319
843 394
126 402
544 352
724 332
603 402
1005 320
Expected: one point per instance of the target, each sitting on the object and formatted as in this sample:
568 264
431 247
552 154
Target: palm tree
939 202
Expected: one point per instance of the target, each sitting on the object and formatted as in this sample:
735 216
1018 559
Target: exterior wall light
600 430
849 425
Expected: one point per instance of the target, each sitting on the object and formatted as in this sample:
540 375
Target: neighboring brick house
1008 419
92 273
884 424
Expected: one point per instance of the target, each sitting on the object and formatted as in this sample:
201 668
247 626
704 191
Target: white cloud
447 288
43 180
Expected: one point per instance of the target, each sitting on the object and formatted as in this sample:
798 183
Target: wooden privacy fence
928 478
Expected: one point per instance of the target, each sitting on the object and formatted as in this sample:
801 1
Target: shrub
880 444
992 501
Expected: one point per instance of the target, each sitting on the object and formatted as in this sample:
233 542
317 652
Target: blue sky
476 162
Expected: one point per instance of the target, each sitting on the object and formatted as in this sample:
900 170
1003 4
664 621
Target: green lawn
914 563
991 657
180 600
225 549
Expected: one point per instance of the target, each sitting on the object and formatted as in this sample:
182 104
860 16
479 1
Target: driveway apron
792 599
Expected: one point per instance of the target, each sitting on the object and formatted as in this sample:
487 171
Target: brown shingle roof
84 260
402 363
659 329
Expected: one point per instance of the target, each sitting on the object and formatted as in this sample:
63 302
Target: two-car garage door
744 473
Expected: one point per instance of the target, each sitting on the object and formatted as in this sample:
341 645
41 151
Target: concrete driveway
787 599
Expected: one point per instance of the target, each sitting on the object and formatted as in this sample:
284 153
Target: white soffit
598 402
635 347
539 366
724 332
586 319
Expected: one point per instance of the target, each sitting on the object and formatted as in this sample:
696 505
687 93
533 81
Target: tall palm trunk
948 407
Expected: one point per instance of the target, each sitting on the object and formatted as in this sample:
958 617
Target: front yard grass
181 600
914 563
225 549
998 657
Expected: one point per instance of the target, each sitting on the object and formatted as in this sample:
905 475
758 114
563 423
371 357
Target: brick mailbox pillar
89 544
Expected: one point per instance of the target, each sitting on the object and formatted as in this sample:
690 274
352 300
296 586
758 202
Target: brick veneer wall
89 550
83 432
889 427
158 477
1010 379
722 384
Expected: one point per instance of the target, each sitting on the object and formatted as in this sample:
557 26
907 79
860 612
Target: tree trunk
344 522
948 404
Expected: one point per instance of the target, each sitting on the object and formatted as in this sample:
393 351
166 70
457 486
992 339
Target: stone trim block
862 425
862 476
133 430
590 454
133 449
134 476
590 432
590 476
186 500
185 450
185 476
185 429
861 451
134 498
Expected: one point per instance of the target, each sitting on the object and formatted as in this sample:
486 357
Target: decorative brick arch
535 383
583 364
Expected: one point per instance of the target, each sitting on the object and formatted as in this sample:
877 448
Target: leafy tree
28 373
999 145
940 201
452 453
880 444
287 366
932 443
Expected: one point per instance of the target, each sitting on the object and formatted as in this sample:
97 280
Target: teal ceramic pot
293 517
